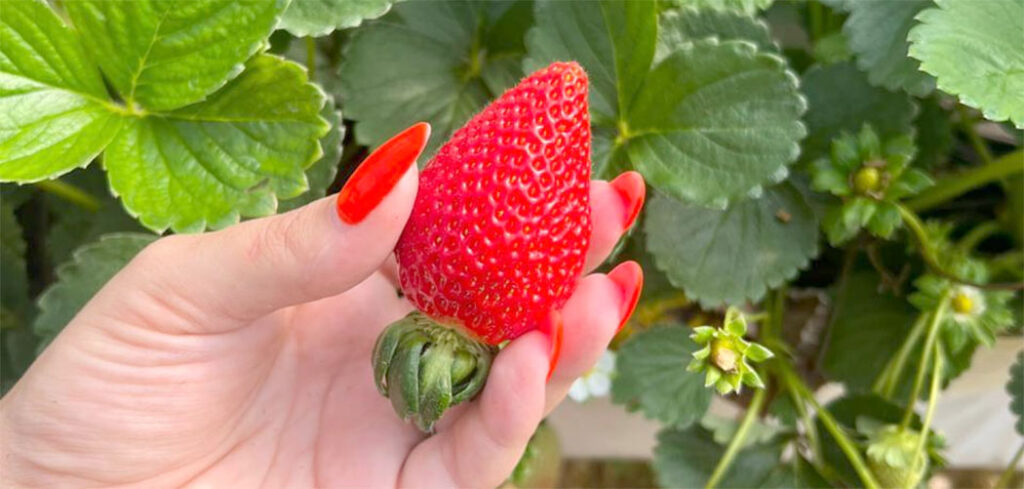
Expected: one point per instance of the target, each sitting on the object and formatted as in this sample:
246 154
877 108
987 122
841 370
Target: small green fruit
894 459
867 180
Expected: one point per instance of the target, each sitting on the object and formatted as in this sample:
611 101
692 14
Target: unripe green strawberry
894 459
496 241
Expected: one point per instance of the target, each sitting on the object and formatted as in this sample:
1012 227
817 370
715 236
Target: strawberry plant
836 191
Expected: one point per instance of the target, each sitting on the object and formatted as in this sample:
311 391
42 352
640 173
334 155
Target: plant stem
977 234
917 227
816 14
310 56
1007 475
737 439
954 185
844 442
70 193
929 348
967 124
933 397
805 417
887 381
1012 261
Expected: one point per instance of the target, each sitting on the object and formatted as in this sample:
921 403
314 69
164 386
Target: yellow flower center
866 180
723 354
962 303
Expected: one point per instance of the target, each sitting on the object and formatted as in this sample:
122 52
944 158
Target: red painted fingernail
630 279
631 187
556 334
380 172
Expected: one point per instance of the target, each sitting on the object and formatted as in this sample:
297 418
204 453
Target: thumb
244 272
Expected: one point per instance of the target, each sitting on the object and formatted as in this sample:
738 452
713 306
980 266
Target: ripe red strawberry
496 241
501 223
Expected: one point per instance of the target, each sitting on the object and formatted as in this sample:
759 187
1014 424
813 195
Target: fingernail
630 279
556 334
631 188
380 172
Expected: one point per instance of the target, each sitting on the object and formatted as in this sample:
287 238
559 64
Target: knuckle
280 241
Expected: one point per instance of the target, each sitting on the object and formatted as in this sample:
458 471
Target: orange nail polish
556 334
630 279
380 172
631 187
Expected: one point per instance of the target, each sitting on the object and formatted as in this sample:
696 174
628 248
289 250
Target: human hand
242 358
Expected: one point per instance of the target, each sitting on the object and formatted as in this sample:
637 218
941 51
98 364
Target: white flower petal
599 385
578 391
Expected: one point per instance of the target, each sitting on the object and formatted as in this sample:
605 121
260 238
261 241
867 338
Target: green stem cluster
1007 475
800 394
930 352
928 253
957 184
801 391
310 56
967 124
70 193
933 398
753 410
887 381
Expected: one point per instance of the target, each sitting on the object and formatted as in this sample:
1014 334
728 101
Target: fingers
614 207
595 312
482 446
246 271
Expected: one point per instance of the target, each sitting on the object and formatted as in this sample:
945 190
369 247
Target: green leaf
746 6
974 51
656 284
686 458
320 17
166 54
14 293
840 99
724 429
864 339
732 255
73 225
425 61
1016 389
877 33
321 174
677 27
715 121
613 40
207 164
582 31
710 122
53 100
651 376
17 352
79 279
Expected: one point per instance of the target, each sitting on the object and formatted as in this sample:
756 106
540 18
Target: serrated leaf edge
761 288
914 37
234 217
63 271
748 49
329 29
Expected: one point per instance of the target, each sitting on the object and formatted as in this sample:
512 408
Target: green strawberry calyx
425 368
725 355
